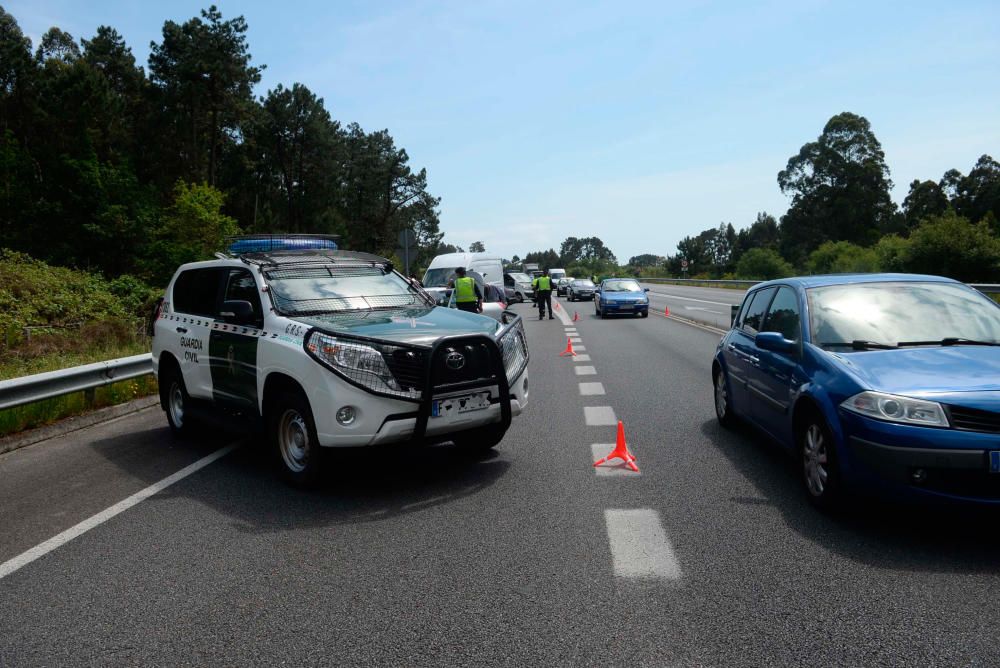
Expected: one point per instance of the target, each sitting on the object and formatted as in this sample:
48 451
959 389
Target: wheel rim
814 460
293 440
176 404
721 397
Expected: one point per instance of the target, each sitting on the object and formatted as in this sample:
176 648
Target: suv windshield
621 286
314 290
438 278
890 313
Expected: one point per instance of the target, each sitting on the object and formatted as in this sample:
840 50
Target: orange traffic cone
576 316
620 451
569 349
666 311
557 306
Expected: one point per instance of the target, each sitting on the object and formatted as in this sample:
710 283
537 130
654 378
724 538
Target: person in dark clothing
543 294
468 297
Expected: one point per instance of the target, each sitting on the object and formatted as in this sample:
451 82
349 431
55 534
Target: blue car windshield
890 313
621 286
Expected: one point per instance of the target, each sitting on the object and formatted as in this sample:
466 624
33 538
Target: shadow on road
359 485
916 538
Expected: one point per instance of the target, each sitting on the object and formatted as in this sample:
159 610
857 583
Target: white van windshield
439 278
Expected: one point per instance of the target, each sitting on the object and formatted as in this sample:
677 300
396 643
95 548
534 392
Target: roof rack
306 258
265 243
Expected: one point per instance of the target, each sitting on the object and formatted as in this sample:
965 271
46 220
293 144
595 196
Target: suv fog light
918 476
346 415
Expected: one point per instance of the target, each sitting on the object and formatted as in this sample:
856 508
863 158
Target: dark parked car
581 288
884 383
562 285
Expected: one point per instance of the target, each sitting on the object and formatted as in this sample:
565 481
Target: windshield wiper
949 341
859 344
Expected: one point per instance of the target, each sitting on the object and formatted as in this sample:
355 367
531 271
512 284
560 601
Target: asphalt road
529 557
706 305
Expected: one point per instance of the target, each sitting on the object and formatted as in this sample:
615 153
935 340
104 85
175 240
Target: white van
442 268
556 274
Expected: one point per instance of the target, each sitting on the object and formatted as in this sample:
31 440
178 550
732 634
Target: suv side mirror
238 312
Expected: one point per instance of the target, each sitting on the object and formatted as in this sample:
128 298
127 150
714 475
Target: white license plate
462 404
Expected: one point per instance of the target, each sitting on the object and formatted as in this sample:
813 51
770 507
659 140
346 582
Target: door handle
182 330
731 347
754 360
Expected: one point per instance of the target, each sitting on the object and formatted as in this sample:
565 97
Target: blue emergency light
266 243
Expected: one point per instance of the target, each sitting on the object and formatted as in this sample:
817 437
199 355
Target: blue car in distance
877 383
621 296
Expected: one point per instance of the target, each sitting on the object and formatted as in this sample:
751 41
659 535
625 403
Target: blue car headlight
902 410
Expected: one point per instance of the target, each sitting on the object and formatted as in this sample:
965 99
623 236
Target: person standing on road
543 294
467 294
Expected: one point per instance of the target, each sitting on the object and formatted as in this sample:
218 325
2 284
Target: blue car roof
844 279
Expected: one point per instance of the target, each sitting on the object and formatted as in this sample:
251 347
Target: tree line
109 166
842 219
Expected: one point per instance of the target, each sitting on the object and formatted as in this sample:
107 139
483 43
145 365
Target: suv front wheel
175 400
296 448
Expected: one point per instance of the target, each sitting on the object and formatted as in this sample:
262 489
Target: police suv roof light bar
265 243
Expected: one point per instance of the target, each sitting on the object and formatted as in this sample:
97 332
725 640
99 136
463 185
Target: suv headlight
902 410
360 363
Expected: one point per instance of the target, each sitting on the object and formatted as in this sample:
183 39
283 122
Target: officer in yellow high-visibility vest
543 294
467 294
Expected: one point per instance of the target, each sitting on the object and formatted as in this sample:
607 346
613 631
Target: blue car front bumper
624 308
921 462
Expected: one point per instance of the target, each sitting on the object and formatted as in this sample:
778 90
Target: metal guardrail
989 288
28 389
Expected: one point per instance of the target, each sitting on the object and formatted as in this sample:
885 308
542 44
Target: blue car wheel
723 407
818 461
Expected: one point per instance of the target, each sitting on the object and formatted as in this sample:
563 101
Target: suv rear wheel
175 400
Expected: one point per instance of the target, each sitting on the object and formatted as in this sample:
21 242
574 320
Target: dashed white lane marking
614 468
575 339
581 358
639 545
599 416
580 348
585 370
591 389
83 527
571 330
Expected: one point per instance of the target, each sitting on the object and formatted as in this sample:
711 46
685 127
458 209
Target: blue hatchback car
621 296
885 383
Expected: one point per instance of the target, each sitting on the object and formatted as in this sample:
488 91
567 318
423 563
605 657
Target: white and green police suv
331 348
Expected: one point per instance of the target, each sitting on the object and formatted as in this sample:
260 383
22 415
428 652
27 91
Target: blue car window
755 312
783 316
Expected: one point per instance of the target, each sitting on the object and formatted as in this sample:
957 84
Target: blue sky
637 122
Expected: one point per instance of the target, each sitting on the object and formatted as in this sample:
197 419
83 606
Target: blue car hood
419 325
932 372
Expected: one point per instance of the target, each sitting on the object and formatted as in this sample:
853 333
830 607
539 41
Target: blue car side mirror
646 289
775 342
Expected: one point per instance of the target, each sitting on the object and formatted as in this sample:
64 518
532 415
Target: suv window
196 291
755 311
783 316
241 285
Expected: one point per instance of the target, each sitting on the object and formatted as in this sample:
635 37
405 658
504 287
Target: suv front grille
462 362
406 365
973 419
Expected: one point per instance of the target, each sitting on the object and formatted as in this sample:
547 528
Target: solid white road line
567 319
585 370
591 389
639 545
83 527
599 416
689 299
614 468
581 358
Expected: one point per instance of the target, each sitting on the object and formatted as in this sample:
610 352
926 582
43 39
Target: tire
817 458
292 435
175 400
723 407
481 439
644 314
597 310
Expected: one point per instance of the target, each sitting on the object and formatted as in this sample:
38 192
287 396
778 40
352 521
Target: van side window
195 292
